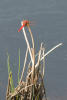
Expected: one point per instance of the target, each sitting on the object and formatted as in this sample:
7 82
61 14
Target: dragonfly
25 23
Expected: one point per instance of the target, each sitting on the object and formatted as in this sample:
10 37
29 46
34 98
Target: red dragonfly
25 23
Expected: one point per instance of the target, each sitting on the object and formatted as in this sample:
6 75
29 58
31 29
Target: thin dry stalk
31 35
24 65
43 63
33 65
28 45
32 55
60 44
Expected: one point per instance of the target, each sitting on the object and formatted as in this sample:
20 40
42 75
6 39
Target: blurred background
50 17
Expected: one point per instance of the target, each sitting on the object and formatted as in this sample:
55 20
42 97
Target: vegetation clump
33 87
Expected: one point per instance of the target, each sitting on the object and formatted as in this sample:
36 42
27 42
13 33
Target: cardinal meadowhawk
25 23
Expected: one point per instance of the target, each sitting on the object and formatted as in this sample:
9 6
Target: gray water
51 28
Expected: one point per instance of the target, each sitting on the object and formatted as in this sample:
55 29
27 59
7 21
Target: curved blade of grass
11 82
10 73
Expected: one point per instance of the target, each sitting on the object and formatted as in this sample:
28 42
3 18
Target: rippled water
51 27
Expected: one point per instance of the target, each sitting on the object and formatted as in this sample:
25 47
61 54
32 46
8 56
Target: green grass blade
11 82
8 63
10 73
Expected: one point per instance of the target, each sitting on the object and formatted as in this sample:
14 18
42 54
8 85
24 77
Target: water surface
51 27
